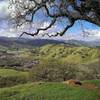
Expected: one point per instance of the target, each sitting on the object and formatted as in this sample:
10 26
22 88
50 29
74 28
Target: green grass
11 72
47 91
10 77
96 82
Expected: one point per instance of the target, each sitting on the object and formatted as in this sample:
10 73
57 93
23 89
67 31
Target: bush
57 70
10 77
52 70
11 81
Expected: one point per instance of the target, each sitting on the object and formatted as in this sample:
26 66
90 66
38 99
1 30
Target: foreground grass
96 82
48 91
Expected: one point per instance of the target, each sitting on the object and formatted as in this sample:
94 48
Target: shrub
9 77
52 70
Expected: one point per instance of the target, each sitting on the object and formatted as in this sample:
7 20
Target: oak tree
24 11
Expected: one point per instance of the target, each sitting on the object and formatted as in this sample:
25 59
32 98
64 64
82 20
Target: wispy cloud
94 34
4 12
7 33
11 32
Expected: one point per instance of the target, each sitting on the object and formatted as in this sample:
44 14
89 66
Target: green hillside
22 69
11 72
77 61
10 77
50 91
71 54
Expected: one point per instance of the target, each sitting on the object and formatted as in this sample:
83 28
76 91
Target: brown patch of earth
76 83
89 86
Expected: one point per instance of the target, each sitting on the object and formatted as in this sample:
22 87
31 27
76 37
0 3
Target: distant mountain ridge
22 42
94 43
9 42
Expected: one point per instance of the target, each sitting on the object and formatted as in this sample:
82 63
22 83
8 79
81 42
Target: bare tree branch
73 10
40 29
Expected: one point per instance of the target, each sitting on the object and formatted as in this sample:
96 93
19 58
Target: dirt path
90 86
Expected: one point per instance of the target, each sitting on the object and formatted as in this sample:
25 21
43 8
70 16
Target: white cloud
4 12
9 32
94 33
45 24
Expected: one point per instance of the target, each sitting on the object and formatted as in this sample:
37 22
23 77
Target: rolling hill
26 62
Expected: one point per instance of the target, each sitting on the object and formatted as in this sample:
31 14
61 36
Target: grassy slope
70 54
52 91
48 91
12 73
10 77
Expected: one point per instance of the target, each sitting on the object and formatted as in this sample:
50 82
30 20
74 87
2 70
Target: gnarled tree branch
73 10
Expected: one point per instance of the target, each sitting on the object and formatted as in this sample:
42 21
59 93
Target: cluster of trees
51 70
55 70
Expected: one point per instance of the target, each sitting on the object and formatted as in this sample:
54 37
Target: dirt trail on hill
90 86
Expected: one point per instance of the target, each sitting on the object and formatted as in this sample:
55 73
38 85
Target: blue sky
74 32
